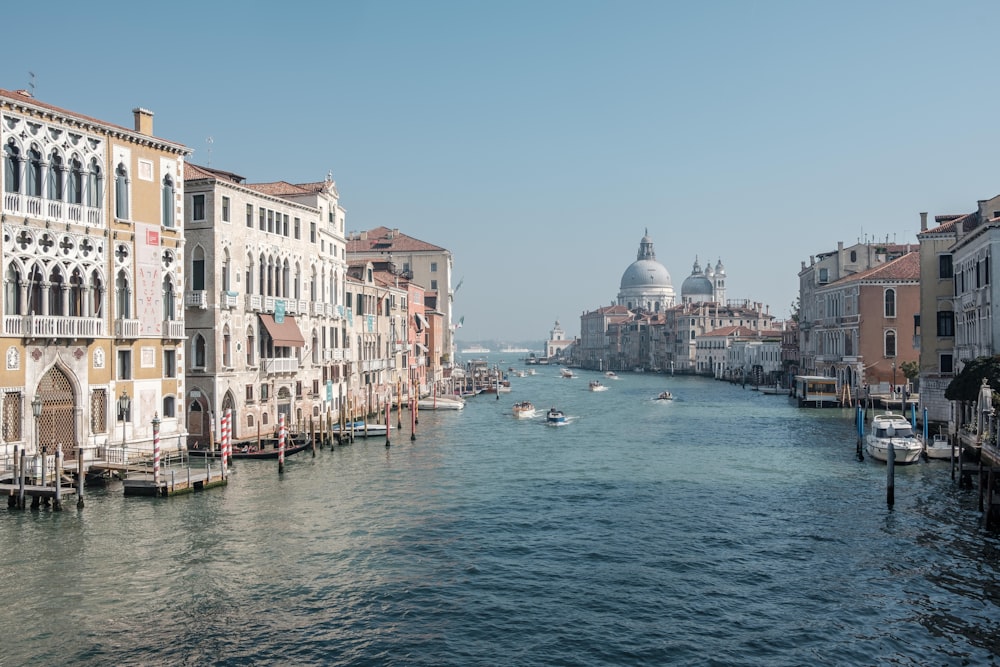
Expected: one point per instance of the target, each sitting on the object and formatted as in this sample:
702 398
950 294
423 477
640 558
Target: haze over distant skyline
538 141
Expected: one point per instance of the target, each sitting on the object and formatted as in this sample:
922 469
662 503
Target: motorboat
665 396
555 417
595 385
776 390
361 429
524 410
940 448
441 403
565 372
611 375
892 429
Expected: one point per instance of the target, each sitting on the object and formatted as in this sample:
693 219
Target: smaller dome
697 285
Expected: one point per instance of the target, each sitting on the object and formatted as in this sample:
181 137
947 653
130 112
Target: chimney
923 222
143 121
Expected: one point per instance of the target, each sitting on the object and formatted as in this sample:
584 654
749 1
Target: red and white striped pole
156 452
281 443
228 435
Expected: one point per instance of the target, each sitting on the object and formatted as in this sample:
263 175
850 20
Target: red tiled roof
383 239
946 224
742 332
278 188
903 268
194 171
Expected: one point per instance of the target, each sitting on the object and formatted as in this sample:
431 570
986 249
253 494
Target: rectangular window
250 216
124 364
945 323
298 228
225 209
261 219
315 386
264 391
169 363
434 285
945 269
270 221
198 207
284 225
312 232
298 388
249 392
434 267
947 364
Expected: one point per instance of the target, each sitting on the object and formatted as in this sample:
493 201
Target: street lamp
124 403
36 410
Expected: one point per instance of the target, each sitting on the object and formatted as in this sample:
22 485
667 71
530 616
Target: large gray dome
698 286
646 273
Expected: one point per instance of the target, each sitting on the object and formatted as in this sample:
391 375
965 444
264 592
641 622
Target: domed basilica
646 283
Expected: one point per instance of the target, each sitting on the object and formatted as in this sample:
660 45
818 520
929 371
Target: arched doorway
285 406
229 403
57 424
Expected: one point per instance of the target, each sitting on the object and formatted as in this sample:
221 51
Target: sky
539 140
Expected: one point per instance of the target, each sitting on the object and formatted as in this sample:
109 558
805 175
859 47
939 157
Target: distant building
557 342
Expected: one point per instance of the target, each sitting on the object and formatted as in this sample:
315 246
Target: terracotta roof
742 332
903 268
194 171
383 239
278 188
947 224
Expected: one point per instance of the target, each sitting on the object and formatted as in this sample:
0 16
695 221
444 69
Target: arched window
55 177
890 343
168 201
200 353
35 287
95 185
198 269
169 304
262 277
227 351
121 192
169 409
250 421
249 275
250 345
315 348
225 270
12 292
123 296
76 294
96 294
75 182
56 282
890 302
34 173
11 168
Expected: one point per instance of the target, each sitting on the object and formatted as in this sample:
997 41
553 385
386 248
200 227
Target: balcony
228 299
52 210
126 329
173 329
196 299
53 326
280 365
254 302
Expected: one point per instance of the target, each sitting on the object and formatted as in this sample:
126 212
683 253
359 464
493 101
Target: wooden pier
174 481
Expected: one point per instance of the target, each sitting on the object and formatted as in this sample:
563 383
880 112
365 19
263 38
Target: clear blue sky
539 140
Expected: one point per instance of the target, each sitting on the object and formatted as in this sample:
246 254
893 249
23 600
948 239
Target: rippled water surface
723 528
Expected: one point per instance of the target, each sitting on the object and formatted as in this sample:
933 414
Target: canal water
723 528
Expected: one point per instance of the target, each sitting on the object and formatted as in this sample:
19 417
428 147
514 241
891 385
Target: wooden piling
79 478
890 473
57 506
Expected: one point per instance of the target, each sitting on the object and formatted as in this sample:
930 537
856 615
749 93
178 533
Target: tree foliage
965 386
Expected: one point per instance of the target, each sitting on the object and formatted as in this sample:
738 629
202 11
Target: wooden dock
174 481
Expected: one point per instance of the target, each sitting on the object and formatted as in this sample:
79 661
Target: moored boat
555 417
940 448
268 449
893 430
362 429
441 403
524 410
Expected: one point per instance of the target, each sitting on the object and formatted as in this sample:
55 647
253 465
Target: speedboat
555 417
893 430
595 385
665 396
565 372
441 403
611 375
939 448
524 410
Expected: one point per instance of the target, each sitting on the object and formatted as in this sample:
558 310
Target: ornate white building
646 283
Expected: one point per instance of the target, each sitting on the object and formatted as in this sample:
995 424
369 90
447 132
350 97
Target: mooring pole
890 474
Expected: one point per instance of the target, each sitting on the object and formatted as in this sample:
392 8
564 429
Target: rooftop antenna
209 141
31 84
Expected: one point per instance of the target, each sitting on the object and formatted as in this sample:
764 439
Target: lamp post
124 403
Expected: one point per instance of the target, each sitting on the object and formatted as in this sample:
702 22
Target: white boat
611 375
939 448
555 417
524 410
532 371
565 372
475 349
441 403
362 429
893 429
664 396
595 385
776 390
515 350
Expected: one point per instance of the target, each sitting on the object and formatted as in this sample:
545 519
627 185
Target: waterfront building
822 270
557 344
596 349
92 255
688 321
937 314
864 325
266 317
427 264
977 243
